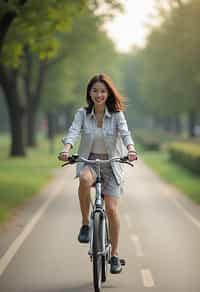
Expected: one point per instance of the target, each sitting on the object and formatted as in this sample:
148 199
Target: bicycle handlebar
77 158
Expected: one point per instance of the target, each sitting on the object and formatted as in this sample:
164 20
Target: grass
183 179
22 178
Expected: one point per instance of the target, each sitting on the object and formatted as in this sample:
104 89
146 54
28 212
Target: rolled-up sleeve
75 129
123 129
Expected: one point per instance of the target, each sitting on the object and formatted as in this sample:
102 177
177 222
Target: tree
7 15
169 80
34 26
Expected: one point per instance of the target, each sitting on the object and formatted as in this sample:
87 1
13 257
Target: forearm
131 147
67 147
124 132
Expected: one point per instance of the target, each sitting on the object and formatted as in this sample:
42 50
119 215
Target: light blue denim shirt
116 136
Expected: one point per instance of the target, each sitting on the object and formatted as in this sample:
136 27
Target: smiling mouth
99 99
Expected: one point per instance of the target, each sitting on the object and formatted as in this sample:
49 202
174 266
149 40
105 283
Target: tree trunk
51 125
191 123
17 132
31 128
51 130
167 124
33 93
156 122
16 109
177 125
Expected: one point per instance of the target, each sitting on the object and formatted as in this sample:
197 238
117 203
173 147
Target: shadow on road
83 288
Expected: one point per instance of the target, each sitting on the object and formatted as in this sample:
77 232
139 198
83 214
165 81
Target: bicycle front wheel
97 248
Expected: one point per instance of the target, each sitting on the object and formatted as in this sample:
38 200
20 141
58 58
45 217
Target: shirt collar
107 114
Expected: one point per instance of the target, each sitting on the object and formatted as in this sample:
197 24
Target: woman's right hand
63 156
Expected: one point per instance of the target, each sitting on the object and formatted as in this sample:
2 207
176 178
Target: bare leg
114 222
86 181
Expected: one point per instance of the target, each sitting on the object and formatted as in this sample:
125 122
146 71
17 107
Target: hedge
186 154
147 140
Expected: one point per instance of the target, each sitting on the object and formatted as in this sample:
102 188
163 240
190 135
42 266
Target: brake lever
129 163
71 160
66 163
125 160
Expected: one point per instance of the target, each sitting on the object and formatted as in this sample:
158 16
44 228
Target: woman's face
99 93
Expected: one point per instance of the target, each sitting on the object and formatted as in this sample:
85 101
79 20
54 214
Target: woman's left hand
132 155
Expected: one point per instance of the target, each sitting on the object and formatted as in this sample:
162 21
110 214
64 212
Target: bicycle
99 244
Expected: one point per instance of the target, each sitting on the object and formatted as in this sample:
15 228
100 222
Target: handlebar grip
124 158
72 159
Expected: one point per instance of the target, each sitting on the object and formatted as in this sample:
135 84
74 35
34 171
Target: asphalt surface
160 240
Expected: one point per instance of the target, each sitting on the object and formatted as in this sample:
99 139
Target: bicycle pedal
123 262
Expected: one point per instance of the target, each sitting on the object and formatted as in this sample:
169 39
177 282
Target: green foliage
130 65
147 139
174 174
35 29
186 154
37 22
85 51
35 26
168 72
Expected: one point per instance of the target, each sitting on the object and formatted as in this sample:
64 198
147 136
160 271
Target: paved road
160 239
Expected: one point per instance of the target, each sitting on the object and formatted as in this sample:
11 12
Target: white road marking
147 278
136 241
128 221
14 247
187 214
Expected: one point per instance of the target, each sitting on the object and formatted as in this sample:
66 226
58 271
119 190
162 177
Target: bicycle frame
98 198
99 207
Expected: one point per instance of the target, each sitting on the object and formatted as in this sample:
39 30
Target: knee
84 180
111 211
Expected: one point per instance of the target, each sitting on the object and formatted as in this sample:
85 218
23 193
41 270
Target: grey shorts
109 184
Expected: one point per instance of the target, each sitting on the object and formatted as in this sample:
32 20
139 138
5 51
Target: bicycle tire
97 257
106 257
104 270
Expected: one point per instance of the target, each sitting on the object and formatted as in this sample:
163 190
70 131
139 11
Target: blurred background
50 49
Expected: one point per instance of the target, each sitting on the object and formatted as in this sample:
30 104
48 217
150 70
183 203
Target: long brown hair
114 101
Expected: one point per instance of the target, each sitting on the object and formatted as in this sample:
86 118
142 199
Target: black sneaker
115 265
84 234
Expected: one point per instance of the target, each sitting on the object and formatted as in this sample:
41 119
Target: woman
104 134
